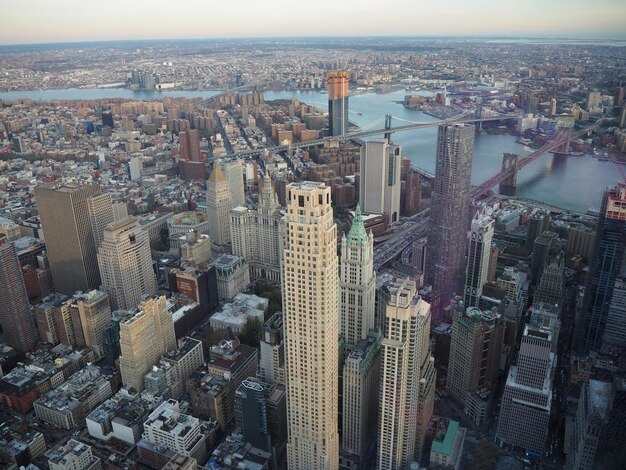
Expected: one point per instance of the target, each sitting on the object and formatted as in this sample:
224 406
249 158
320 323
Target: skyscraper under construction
338 102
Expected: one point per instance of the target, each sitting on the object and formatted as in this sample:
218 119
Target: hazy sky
33 21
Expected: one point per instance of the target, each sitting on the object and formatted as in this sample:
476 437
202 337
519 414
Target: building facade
475 349
126 264
311 322
527 398
407 379
256 234
15 317
449 212
70 241
479 250
357 283
218 206
605 268
338 102
380 170
145 335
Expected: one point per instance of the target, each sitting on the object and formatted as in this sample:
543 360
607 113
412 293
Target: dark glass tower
15 317
606 267
449 222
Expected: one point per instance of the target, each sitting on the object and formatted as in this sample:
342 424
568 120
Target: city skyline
37 21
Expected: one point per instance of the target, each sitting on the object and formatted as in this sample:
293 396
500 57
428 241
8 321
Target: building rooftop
167 418
444 445
600 396
71 450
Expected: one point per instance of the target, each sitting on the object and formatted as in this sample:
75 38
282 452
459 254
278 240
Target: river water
574 183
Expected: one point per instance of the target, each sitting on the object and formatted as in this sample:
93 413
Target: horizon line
536 36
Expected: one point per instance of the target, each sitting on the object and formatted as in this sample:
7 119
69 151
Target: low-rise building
244 309
233 275
121 416
73 456
67 405
173 431
447 447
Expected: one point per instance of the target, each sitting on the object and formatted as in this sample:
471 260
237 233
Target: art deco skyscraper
146 333
311 325
338 102
126 264
605 268
218 205
17 322
479 251
380 190
407 379
70 240
357 283
449 212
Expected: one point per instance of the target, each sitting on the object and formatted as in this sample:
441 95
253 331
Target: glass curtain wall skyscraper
605 268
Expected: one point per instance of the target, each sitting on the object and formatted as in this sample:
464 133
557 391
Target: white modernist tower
407 379
357 283
380 179
126 264
311 327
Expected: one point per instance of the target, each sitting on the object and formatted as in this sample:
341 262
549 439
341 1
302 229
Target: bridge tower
388 127
564 149
479 115
508 186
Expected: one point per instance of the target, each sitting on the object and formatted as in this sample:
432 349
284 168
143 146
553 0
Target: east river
574 183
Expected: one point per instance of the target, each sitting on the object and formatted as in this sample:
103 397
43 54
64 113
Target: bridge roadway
557 142
368 133
394 246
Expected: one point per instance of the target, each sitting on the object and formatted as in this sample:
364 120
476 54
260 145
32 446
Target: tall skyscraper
542 246
311 322
361 375
449 212
527 398
70 239
126 264
357 283
606 266
478 256
234 173
380 190
338 102
538 222
15 317
219 205
146 333
592 417
407 379
255 234
552 283
101 214
475 348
